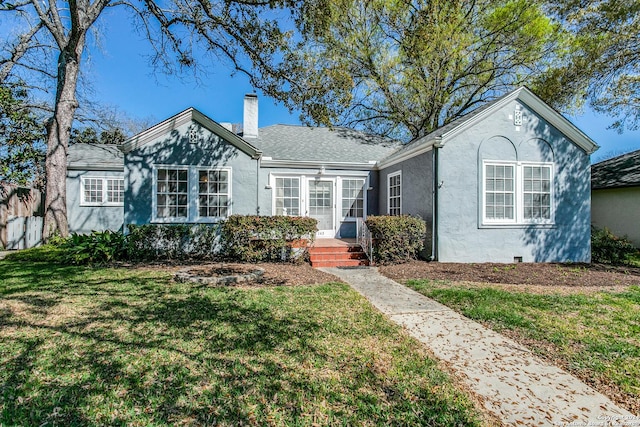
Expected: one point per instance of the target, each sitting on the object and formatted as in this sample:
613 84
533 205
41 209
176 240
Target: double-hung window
191 194
172 193
517 193
353 198
499 193
287 196
213 193
102 191
394 193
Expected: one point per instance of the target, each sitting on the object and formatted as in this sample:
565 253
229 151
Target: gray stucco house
507 182
615 194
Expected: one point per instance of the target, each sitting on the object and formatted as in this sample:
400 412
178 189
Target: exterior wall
462 237
417 191
85 219
618 209
175 149
346 228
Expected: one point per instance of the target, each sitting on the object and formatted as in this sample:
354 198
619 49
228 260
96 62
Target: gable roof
621 171
186 116
440 136
338 146
84 156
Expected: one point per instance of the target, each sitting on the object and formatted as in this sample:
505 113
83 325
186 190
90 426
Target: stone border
186 275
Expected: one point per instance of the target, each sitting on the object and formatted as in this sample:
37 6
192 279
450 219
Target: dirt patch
284 274
536 276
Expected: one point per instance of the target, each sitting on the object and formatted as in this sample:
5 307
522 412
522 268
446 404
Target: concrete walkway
513 384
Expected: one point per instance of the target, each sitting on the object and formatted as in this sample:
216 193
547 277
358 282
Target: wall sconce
321 171
369 188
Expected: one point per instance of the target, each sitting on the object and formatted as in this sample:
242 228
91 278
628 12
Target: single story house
508 182
615 195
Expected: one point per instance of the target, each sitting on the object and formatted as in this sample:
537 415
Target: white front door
321 205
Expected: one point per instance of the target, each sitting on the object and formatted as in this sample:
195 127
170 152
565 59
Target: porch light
321 171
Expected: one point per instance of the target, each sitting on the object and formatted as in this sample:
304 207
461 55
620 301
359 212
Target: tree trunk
58 133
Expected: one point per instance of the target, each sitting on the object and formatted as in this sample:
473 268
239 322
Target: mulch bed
539 274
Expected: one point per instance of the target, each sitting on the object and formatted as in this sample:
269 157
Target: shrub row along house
509 181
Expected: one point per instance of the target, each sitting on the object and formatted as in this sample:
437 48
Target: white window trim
365 185
519 220
502 221
193 193
272 183
389 176
104 202
196 193
520 194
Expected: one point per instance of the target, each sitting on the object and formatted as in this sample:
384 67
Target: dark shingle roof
621 171
95 156
302 143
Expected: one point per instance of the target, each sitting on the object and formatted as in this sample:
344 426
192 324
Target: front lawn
117 346
593 333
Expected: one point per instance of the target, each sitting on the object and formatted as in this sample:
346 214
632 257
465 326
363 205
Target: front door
321 206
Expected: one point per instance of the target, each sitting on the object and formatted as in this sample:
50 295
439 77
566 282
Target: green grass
106 346
593 335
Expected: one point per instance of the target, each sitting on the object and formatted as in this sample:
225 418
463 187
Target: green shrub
396 239
265 238
97 247
158 241
610 249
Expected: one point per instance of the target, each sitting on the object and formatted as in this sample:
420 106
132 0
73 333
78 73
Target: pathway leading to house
512 382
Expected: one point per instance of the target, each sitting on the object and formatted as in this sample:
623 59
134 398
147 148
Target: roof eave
315 164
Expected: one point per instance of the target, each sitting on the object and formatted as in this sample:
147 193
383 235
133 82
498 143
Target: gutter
434 217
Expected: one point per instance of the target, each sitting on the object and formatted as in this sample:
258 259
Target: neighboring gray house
615 195
507 182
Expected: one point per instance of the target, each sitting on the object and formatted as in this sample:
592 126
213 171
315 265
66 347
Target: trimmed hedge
266 238
610 249
396 239
172 241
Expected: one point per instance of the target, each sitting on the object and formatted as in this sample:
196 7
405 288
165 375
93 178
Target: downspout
434 208
258 185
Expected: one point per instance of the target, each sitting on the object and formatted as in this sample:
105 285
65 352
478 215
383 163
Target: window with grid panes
213 193
536 192
102 191
499 197
517 193
172 193
115 191
92 190
353 198
394 189
287 196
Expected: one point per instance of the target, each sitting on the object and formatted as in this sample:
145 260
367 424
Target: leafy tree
406 67
89 135
21 138
233 31
602 66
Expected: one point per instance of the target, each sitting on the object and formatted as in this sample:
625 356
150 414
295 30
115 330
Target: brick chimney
250 128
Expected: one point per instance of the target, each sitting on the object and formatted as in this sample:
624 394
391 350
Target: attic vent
517 118
193 135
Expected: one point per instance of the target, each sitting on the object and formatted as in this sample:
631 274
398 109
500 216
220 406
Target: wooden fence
21 211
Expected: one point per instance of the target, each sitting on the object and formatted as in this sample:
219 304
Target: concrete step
330 256
332 249
340 263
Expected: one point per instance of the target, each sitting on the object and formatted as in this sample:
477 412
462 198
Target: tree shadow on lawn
162 358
